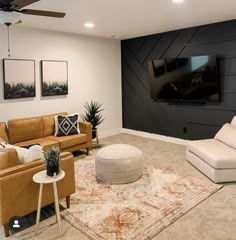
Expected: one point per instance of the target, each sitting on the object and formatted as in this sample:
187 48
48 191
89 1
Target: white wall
94 69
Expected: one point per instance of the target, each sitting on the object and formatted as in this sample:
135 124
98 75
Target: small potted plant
93 115
52 157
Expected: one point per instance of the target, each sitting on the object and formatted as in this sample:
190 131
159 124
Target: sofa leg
87 150
6 230
68 201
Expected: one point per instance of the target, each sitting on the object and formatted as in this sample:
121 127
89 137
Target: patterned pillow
3 143
66 125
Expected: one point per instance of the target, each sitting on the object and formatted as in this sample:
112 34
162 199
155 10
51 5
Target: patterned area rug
138 210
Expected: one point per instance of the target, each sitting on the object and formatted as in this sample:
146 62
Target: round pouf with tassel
119 163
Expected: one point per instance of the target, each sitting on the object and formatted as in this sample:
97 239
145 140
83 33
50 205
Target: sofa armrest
65 154
20 168
25 166
86 128
8 158
19 194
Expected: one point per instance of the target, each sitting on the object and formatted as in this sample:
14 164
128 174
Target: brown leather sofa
40 130
19 194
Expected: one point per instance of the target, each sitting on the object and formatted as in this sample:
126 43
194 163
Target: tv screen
192 79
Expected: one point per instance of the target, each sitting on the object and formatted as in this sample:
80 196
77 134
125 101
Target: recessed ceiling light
177 1
89 25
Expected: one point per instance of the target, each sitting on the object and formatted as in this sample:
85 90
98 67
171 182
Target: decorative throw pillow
33 153
3 143
227 135
233 122
28 155
66 125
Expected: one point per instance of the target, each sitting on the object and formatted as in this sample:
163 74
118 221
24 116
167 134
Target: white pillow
33 153
227 135
233 122
27 155
20 152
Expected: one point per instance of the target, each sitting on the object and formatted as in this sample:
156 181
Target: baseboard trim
156 136
144 134
110 133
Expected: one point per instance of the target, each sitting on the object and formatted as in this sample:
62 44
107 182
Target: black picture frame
54 77
19 78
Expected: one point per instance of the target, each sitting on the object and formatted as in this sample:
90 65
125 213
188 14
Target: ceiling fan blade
43 13
18 4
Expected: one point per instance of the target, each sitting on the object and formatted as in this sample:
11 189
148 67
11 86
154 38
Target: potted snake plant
52 157
93 115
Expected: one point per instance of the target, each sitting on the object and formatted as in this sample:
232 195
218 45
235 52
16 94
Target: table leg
97 136
6 229
39 206
57 206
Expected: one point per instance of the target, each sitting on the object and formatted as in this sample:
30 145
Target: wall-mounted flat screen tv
193 79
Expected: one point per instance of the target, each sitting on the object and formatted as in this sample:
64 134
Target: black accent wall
186 121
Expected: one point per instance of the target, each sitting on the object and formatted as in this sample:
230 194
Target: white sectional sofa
216 158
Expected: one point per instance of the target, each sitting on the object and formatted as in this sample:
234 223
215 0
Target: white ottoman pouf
119 163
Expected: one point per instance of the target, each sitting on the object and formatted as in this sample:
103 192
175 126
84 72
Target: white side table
42 178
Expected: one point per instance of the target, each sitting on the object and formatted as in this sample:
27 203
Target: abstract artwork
54 76
19 78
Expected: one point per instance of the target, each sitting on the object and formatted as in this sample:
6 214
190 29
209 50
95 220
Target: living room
116 62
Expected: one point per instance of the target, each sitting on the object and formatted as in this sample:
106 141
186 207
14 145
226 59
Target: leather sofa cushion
40 141
25 129
213 152
49 123
69 141
227 135
3 131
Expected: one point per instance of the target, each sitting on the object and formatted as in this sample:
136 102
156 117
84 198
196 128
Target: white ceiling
129 18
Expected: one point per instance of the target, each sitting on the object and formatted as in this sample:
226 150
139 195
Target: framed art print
19 78
54 78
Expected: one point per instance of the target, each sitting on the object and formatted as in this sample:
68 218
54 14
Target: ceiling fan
14 7
17 5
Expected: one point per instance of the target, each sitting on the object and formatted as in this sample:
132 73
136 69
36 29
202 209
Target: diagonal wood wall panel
140 112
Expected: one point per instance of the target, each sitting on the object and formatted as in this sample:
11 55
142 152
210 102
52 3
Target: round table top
41 177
